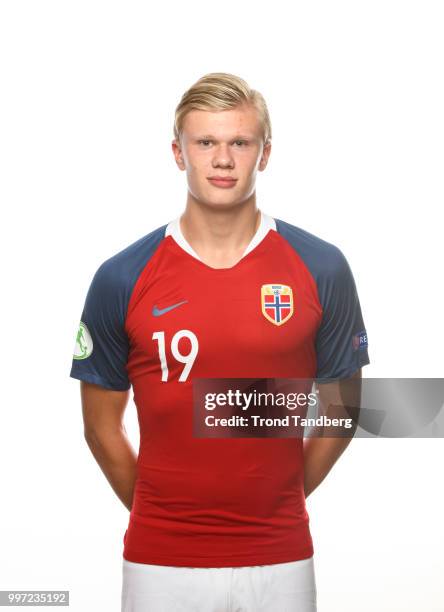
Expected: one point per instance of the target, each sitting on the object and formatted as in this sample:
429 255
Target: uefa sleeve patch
84 344
359 340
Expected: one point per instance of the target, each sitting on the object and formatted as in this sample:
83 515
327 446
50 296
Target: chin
215 199
220 204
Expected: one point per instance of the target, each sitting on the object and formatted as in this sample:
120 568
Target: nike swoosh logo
156 312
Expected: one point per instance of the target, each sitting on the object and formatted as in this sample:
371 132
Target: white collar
266 223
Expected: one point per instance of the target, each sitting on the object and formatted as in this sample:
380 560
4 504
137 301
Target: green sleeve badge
84 344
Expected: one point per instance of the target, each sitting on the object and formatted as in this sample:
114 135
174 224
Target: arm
106 437
320 454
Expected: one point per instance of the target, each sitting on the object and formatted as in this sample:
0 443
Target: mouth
222 181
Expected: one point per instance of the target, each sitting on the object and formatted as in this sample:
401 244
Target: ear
177 152
265 155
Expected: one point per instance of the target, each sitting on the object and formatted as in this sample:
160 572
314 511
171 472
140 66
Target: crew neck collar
266 223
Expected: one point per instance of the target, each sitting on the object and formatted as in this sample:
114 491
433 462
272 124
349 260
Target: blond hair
221 91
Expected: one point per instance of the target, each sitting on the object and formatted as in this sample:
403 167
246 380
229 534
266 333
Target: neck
219 232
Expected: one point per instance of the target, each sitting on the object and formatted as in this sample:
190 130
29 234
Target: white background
88 92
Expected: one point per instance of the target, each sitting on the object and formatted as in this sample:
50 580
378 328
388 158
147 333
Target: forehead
244 119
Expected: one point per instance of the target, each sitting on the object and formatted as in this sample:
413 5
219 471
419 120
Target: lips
222 181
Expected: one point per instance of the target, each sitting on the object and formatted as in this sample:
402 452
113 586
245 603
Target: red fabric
217 502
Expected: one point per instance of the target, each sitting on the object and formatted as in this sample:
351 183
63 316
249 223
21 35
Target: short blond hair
221 91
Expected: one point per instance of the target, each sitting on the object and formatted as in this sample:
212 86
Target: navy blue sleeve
101 347
341 341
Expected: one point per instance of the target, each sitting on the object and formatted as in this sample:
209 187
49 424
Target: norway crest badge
277 303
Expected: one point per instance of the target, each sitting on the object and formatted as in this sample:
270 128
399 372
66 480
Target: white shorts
281 587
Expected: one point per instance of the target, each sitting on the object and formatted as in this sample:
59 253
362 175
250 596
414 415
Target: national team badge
277 303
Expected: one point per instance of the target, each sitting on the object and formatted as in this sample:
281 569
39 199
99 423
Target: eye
203 141
241 142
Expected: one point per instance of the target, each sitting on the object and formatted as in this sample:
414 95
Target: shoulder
323 259
133 257
119 272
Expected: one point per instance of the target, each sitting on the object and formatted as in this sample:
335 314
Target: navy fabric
104 313
341 341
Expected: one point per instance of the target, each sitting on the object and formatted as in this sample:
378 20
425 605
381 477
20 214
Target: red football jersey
156 317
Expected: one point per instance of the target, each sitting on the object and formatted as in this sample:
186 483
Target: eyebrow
237 137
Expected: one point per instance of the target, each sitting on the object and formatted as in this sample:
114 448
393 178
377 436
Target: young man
222 291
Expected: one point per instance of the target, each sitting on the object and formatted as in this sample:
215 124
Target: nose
222 157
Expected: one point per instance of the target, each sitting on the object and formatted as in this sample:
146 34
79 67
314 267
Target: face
226 144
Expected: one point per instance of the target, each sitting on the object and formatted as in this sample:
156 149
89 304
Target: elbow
88 437
91 436
95 436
